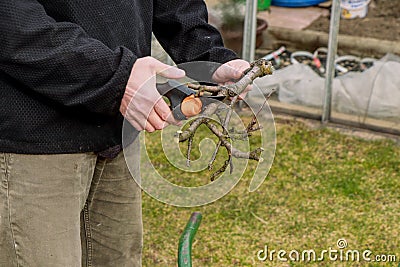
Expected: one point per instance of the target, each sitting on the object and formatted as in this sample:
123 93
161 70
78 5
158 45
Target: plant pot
233 36
261 4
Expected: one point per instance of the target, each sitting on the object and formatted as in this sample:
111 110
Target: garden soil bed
382 22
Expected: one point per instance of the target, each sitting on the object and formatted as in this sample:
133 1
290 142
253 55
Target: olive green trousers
69 210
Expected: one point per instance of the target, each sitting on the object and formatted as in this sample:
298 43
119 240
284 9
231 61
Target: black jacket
64 65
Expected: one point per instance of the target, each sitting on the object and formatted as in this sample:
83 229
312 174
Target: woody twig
231 93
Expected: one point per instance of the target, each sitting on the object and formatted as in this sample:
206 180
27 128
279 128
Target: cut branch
257 69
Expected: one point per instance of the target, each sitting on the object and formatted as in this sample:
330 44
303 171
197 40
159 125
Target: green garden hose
185 242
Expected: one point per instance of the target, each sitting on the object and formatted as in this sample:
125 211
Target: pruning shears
184 101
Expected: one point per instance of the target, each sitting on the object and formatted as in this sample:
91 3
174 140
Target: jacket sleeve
58 61
182 29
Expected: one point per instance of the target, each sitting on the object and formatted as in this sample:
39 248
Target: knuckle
165 115
153 63
149 128
162 110
159 126
137 126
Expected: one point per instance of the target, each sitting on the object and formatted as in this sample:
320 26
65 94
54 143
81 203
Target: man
68 71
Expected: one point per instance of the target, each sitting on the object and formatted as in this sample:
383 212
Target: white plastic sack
373 93
296 84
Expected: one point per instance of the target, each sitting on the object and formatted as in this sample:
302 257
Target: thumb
226 72
233 73
168 71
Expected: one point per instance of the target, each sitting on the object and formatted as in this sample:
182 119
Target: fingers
229 73
164 112
168 71
141 104
231 70
226 73
150 122
154 122
156 118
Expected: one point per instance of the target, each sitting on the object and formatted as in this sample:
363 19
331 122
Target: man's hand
230 72
141 104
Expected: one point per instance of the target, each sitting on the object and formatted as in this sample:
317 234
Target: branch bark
258 68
